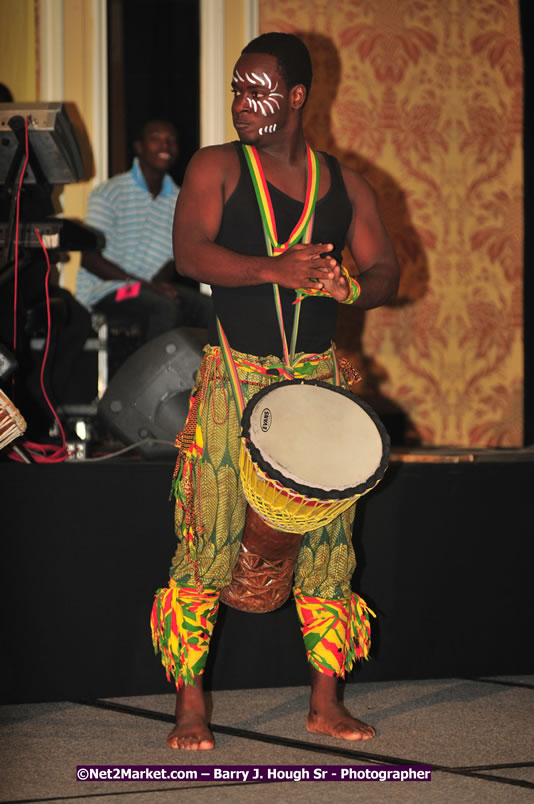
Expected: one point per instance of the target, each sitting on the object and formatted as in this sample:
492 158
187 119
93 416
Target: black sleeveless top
248 314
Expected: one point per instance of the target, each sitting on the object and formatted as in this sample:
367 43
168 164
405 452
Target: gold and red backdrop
424 98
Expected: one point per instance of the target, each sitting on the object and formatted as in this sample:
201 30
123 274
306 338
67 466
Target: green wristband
354 287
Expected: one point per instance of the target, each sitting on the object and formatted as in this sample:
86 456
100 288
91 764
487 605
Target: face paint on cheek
267 130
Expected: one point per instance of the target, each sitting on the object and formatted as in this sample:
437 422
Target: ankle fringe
182 622
360 631
336 632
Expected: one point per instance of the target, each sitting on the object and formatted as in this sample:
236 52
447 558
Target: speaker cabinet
148 396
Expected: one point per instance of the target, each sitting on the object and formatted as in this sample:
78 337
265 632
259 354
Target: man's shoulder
114 186
354 182
170 189
330 158
212 165
215 155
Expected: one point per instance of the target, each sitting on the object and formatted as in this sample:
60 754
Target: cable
16 277
45 453
20 458
56 453
126 449
40 453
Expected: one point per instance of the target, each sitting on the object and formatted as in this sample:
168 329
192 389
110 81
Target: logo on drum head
266 419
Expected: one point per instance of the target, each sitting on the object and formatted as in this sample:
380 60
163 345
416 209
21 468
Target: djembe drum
12 422
309 450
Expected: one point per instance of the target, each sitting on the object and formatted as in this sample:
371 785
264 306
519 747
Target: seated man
135 275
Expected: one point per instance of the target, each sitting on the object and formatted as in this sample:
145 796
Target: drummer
219 239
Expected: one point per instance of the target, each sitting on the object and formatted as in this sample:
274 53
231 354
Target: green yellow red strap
302 230
263 197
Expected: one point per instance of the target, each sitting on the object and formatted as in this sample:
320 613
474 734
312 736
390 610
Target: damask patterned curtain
424 98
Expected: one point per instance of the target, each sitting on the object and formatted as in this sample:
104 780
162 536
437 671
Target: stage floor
477 734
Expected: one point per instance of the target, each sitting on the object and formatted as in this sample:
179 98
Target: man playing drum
260 214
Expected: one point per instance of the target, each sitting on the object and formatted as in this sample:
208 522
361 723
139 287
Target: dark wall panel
445 556
153 72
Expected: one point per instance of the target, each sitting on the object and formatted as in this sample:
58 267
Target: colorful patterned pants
210 516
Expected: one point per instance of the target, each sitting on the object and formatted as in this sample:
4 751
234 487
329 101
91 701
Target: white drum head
315 435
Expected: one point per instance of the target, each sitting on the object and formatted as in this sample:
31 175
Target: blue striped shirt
138 230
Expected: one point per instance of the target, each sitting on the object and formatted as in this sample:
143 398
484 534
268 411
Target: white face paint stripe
266 102
239 77
260 104
267 130
273 95
260 80
268 80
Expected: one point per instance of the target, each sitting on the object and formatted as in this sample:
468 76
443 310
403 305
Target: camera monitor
55 156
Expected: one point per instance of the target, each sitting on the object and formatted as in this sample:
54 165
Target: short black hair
292 55
140 131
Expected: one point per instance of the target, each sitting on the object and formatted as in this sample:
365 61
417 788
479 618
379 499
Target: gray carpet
478 736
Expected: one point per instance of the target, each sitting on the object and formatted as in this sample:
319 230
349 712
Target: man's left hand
337 287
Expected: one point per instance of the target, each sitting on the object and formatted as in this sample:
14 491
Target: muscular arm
370 246
98 265
211 173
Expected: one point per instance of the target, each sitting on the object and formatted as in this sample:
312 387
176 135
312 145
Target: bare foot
336 721
327 715
191 732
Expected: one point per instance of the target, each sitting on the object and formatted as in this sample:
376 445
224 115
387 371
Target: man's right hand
302 266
